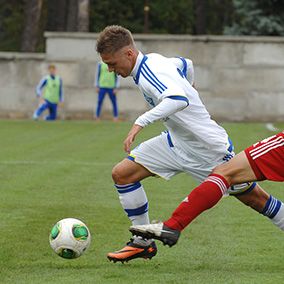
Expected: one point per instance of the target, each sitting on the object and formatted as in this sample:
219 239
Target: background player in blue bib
106 83
50 91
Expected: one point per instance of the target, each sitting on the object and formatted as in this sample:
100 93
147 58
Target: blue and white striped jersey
185 65
190 127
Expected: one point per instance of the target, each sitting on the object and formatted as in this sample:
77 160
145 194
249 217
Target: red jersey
267 158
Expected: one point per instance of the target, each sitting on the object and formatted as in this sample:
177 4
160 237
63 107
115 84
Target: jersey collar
141 58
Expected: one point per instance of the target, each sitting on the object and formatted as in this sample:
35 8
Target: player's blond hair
113 38
51 66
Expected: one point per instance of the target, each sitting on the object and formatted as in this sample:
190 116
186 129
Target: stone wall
239 78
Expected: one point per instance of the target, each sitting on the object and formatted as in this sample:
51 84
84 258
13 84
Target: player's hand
41 100
131 137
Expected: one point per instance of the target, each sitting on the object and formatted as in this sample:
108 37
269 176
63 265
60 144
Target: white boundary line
271 127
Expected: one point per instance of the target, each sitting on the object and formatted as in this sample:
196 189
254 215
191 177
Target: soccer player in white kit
193 142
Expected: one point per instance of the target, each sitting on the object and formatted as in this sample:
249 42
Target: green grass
50 171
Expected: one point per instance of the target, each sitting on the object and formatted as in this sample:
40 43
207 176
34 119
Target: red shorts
267 158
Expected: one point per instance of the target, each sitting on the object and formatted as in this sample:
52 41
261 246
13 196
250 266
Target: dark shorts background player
262 161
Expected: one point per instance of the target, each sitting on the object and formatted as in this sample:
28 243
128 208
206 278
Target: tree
127 13
32 11
56 15
72 16
78 16
172 16
200 16
257 17
11 23
83 16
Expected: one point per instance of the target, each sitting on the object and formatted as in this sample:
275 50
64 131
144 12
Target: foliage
174 17
257 17
234 17
219 14
11 23
127 13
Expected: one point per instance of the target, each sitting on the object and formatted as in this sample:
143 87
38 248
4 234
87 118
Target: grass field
50 171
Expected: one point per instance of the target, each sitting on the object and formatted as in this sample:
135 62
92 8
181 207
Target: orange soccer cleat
133 250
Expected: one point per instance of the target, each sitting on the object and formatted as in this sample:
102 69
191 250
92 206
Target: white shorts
161 158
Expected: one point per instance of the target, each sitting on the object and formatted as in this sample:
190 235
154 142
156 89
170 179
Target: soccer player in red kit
262 161
266 158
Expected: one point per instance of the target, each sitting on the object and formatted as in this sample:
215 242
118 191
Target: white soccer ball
70 238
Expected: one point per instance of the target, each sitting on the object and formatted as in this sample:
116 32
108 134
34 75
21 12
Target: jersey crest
149 100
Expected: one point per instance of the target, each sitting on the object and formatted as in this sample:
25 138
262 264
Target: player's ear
129 52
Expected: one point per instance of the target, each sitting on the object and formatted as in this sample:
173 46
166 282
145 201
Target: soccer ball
70 238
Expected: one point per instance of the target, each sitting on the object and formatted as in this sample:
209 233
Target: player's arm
168 106
131 137
117 84
165 108
40 86
171 99
97 76
61 94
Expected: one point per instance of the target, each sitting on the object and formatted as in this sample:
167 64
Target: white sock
278 219
274 209
134 202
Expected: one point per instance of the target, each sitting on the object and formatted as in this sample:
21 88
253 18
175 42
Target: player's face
52 70
120 62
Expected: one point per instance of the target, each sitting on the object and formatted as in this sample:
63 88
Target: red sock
203 197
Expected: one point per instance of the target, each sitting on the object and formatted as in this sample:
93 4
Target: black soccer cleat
156 231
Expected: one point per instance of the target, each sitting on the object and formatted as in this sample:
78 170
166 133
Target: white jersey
191 128
185 65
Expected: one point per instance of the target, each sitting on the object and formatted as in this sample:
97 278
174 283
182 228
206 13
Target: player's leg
237 171
203 197
101 96
265 204
127 176
153 157
52 112
113 99
42 107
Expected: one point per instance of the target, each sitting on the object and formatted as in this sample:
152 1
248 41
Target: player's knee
115 174
118 175
223 171
219 170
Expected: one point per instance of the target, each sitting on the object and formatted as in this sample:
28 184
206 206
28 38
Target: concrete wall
239 78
